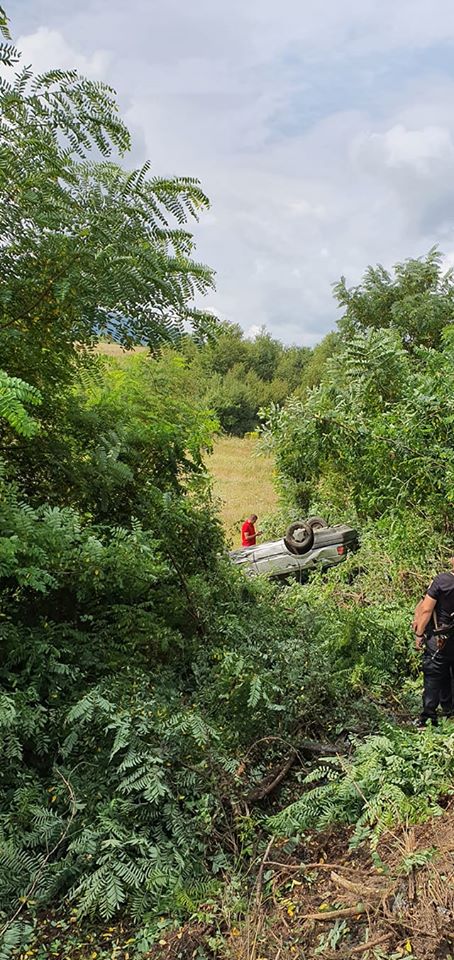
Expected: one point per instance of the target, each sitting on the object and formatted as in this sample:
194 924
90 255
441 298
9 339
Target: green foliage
313 371
237 377
371 444
132 685
14 939
392 778
377 431
143 680
128 428
417 302
86 247
14 394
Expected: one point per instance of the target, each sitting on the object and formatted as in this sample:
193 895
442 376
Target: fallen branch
355 887
334 914
364 947
319 749
271 781
306 866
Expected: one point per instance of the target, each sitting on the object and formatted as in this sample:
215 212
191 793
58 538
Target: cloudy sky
322 131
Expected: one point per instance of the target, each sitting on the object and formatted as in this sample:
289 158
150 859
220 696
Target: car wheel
299 537
317 523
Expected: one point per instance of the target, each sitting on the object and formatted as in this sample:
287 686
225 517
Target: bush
393 778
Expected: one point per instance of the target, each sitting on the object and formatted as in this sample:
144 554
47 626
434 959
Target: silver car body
273 559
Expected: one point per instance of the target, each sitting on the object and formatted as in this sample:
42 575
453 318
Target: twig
46 859
334 914
259 884
252 948
355 887
413 927
364 947
305 866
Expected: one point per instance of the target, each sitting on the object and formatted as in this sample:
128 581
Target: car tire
317 523
299 537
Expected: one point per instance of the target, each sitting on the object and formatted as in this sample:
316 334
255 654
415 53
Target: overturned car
308 544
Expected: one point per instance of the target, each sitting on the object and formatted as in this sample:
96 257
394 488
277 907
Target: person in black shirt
433 625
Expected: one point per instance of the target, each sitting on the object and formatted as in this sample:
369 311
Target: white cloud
47 48
421 151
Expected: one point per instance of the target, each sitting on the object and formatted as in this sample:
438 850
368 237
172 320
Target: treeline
237 377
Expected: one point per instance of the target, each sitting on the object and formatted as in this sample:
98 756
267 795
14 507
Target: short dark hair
253 517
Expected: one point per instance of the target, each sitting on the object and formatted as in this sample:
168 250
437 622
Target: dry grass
115 350
243 482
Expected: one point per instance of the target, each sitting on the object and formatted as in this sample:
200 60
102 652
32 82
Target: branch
320 749
267 785
43 294
305 866
364 947
273 779
355 887
334 914
259 885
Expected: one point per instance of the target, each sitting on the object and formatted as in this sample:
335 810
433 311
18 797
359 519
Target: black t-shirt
442 590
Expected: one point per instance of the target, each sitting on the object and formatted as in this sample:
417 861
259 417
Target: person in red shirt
248 531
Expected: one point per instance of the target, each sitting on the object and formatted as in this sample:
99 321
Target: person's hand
419 641
259 533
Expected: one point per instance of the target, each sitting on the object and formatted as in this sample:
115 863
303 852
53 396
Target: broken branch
334 914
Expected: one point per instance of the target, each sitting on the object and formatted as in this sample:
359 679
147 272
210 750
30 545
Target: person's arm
422 615
416 614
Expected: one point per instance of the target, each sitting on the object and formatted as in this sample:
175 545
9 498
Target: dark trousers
438 683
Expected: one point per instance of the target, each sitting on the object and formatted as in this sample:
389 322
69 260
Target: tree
239 377
417 302
375 437
314 369
87 249
229 348
264 354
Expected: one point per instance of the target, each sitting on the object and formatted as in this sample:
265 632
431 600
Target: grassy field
243 481
115 350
